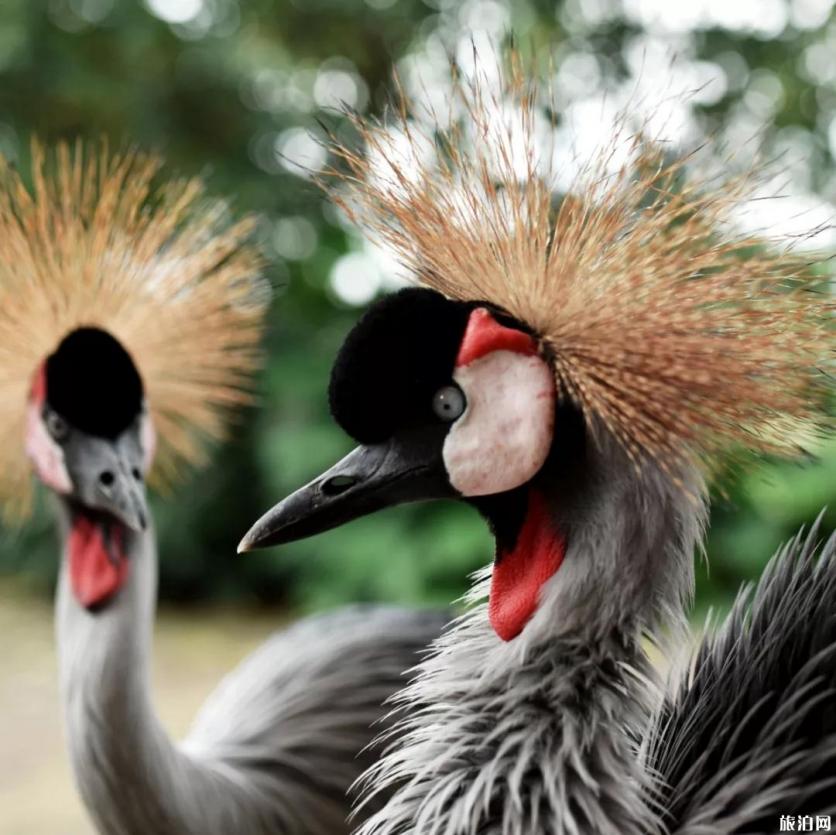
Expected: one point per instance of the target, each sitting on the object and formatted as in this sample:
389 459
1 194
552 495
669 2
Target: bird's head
127 301
90 440
574 359
447 399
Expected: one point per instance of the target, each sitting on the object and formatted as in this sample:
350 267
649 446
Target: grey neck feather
542 734
132 778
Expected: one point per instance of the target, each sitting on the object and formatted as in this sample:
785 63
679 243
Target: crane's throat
98 561
521 570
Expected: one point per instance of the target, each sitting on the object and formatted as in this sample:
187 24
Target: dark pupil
56 426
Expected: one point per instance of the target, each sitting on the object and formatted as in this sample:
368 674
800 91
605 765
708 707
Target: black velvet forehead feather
396 357
92 382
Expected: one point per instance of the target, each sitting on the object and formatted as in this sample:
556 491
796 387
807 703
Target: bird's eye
449 403
56 426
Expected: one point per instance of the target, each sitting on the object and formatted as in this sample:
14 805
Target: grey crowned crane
571 369
131 313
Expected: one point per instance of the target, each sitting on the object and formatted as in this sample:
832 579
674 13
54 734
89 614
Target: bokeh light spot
355 278
175 11
295 238
301 151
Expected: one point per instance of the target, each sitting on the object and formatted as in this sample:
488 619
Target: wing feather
750 733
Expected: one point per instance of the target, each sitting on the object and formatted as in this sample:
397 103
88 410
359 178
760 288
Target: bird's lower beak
130 506
366 480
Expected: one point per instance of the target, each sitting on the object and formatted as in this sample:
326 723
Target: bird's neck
122 760
541 733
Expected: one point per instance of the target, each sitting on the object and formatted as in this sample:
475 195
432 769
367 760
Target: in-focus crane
568 367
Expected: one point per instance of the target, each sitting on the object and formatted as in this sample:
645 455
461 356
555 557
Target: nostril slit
136 474
107 478
338 484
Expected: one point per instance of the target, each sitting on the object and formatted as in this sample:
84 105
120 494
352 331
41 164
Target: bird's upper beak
128 502
404 469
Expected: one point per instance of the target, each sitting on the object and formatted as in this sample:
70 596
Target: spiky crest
100 240
678 334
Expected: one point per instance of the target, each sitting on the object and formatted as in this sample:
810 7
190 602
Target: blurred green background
236 91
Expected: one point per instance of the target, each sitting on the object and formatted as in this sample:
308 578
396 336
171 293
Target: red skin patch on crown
98 563
484 334
38 392
519 574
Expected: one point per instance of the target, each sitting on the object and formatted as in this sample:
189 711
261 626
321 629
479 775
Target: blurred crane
568 368
131 317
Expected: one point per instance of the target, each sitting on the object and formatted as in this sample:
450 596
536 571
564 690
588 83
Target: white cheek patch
148 439
505 433
46 455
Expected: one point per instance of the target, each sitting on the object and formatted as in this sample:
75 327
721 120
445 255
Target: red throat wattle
98 563
519 574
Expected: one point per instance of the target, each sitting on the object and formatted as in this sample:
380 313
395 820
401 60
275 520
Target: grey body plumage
276 747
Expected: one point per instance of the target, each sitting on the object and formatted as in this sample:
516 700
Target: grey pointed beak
107 476
127 501
116 490
368 479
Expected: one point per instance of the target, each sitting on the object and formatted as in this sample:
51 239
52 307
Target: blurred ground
193 650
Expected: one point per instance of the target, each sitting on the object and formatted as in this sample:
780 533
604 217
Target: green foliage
217 95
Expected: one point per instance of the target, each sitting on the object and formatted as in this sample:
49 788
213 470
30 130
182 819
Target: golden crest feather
677 334
100 241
